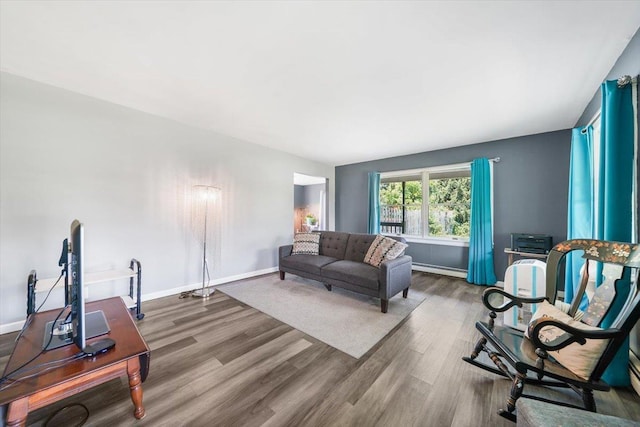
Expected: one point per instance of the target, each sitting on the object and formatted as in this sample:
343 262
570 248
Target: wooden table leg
17 412
135 385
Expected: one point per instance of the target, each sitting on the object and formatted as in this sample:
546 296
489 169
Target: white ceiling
337 82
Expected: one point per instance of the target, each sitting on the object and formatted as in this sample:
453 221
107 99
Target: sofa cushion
358 246
333 244
383 249
357 273
310 263
306 244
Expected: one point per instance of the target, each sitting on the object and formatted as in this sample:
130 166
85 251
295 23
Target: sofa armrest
395 276
284 251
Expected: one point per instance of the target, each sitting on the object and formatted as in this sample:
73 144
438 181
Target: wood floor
222 363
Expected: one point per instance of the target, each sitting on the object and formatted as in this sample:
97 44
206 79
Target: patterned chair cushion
579 359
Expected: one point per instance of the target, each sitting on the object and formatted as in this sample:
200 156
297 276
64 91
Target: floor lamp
206 197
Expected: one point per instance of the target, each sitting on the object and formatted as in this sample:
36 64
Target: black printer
532 243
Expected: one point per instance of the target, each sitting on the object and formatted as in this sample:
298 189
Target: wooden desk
510 253
129 357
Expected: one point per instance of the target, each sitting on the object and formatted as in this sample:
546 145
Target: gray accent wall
627 64
308 196
298 197
530 192
128 176
307 200
530 185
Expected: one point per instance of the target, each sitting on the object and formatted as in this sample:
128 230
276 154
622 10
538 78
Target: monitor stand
95 325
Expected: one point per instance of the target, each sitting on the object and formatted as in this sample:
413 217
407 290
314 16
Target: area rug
348 321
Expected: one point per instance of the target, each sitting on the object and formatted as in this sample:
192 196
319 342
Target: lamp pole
205 292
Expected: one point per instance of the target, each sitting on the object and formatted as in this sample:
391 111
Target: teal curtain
374 203
481 270
617 147
580 218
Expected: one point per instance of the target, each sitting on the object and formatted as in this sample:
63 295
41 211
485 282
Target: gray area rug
348 321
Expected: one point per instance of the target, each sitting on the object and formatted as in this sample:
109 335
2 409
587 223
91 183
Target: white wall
127 176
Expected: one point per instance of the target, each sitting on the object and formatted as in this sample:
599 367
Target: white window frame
425 173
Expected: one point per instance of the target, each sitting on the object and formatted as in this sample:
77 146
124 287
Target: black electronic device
531 243
78 326
64 254
99 347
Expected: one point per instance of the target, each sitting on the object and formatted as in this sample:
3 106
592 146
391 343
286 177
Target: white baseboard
462 274
443 271
214 282
11 327
16 326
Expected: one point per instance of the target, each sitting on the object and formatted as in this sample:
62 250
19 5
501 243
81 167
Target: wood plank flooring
219 362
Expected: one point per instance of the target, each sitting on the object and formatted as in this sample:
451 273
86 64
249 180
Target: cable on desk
53 325
46 365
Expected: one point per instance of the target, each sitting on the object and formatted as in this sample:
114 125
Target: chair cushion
579 359
358 273
565 307
306 244
382 249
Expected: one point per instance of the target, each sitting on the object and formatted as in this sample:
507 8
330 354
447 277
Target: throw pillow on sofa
383 249
579 359
306 244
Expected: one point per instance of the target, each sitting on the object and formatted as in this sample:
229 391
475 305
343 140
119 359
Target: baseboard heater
438 269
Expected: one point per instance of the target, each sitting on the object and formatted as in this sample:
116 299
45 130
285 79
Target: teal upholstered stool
534 413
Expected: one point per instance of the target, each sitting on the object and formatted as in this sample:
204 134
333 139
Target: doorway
309 203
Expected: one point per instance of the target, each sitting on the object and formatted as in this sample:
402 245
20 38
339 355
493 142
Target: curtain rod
595 117
494 160
395 174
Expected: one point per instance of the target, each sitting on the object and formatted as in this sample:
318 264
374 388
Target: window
434 202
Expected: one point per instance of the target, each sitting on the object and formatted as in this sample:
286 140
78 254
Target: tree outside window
446 202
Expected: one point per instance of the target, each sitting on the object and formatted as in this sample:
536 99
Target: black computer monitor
76 279
78 326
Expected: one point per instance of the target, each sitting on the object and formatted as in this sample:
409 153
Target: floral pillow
306 244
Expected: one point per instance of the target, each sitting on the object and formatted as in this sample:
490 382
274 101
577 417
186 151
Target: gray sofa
340 263
534 413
